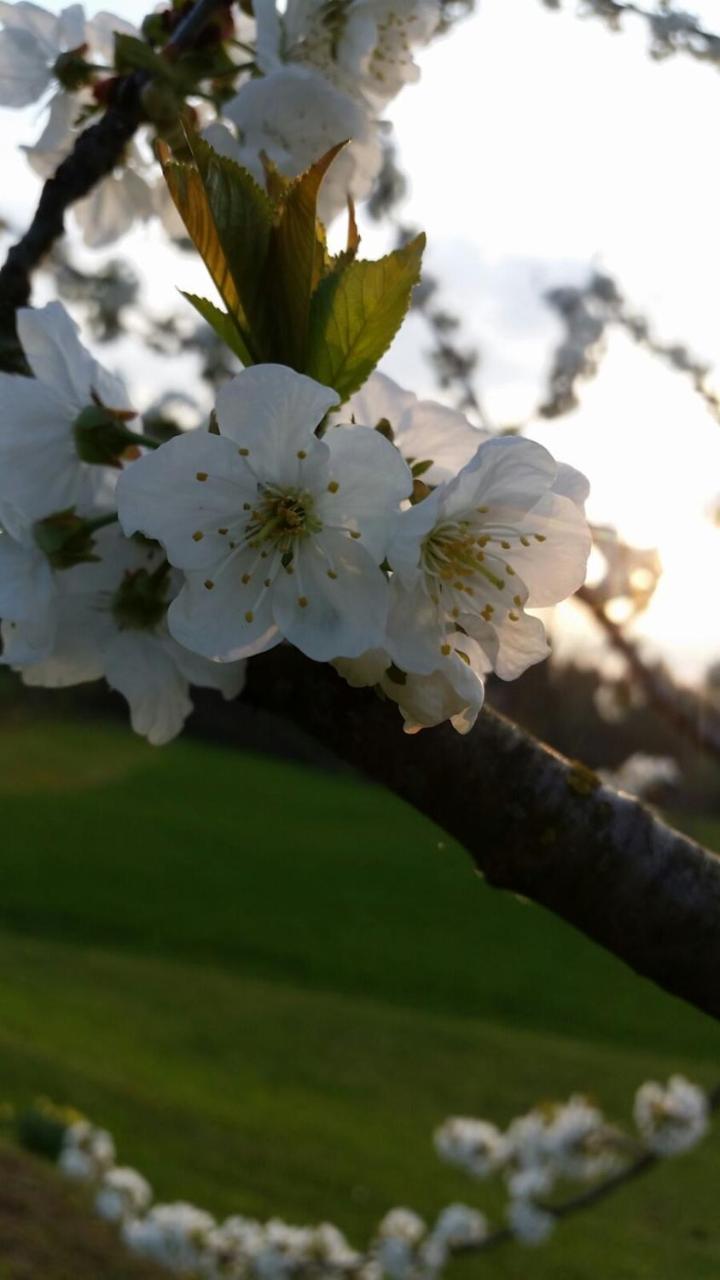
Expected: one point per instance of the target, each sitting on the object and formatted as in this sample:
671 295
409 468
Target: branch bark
532 821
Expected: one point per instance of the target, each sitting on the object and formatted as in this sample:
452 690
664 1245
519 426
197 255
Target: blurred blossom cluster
549 1147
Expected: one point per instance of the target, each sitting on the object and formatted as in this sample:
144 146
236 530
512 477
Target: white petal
57 137
101 32
367 670
507 472
77 655
552 570
160 495
572 484
380 399
408 533
415 631
231 619
342 616
71 27
116 204
26 581
28 642
58 359
519 644
453 692
272 412
138 666
432 431
24 70
372 479
227 677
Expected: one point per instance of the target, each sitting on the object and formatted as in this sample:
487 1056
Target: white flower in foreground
671 1118
365 46
469 558
280 534
294 117
50 423
474 1145
27 592
454 691
434 440
109 619
124 1193
529 1223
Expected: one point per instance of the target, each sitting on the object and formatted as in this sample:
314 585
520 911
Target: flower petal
507 472
138 666
368 481
272 412
338 616
554 568
165 496
227 677
229 619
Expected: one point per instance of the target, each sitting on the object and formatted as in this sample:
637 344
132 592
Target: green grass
272 985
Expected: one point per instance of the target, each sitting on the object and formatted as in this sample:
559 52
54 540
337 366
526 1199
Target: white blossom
529 1223
294 116
174 1235
87 1152
472 555
459 1225
435 440
41 431
31 41
123 1193
108 618
280 534
671 1118
475 1145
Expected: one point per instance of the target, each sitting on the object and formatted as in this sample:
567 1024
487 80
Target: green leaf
132 54
296 262
355 314
229 219
224 325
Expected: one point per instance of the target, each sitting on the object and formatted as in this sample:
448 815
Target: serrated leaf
229 219
296 262
223 324
355 314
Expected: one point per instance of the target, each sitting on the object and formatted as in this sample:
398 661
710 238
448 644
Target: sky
540 146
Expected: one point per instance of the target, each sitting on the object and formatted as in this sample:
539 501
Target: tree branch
533 822
97 151
690 715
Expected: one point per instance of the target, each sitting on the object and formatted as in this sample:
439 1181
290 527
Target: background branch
533 822
689 714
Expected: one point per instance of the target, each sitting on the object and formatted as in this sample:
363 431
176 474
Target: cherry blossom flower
434 440
108 618
294 116
280 534
472 555
124 1193
671 1118
51 424
31 41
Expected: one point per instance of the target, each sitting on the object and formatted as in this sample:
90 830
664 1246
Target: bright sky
539 145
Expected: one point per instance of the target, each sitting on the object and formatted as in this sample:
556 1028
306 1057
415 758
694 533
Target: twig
689 714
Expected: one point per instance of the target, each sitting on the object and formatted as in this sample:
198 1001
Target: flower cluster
389 537
291 86
573 1142
552 1144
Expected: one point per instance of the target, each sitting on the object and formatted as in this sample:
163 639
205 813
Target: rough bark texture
532 821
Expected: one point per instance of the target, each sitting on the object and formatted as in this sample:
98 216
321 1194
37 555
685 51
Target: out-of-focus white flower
294 116
280 534
43 439
364 47
529 1223
399 1236
27 592
641 774
123 1193
671 1118
87 1153
437 441
31 41
459 1225
477 551
109 619
402 1224
474 1145
174 1235
115 205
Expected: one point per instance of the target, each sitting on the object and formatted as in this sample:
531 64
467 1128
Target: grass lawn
272 985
